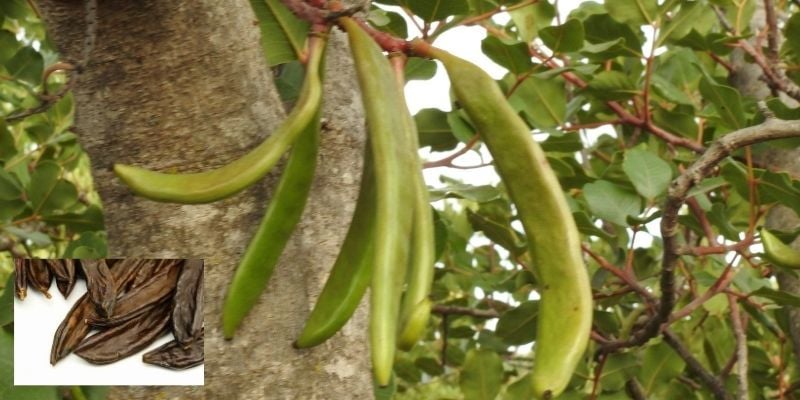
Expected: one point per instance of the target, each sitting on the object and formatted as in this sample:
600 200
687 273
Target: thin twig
635 389
741 347
448 161
772 32
472 312
695 367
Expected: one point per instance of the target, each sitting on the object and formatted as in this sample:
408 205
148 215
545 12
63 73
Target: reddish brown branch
770 129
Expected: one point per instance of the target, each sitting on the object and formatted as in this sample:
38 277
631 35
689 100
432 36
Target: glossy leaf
563 38
611 202
481 375
649 174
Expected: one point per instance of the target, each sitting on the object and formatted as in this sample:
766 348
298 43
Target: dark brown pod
64 272
173 355
20 278
101 286
125 271
142 298
121 341
187 311
72 329
39 276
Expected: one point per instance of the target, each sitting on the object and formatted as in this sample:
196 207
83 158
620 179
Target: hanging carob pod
565 308
286 205
393 216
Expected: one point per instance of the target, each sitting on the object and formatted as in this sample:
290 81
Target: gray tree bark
183 85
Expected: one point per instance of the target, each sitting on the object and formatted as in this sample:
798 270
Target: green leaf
7 388
7 302
613 85
682 23
289 79
457 189
436 10
283 35
676 122
514 56
94 241
90 219
481 375
649 174
563 38
779 297
8 147
385 392
617 370
772 187
47 192
26 65
635 12
37 238
8 45
531 18
669 91
434 130
10 188
601 28
518 325
660 364
95 392
390 22
727 102
519 389
791 34
611 202
420 69
543 101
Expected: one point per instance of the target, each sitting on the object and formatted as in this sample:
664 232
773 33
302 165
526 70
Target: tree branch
472 312
708 379
741 347
771 129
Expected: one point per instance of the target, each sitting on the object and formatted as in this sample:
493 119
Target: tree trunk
183 85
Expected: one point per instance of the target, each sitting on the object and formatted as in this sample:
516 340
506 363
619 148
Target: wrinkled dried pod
64 272
100 284
72 329
20 278
39 276
173 355
121 341
187 312
139 299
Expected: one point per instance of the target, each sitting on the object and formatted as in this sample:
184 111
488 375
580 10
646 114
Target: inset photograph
108 322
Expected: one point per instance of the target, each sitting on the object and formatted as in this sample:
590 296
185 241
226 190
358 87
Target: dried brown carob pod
187 311
20 278
39 276
121 341
72 329
100 284
64 272
173 355
140 299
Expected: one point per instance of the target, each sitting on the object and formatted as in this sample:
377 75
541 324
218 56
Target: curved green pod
565 311
779 253
282 215
393 216
416 308
351 272
217 184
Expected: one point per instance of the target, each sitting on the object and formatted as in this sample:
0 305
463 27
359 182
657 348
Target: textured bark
183 85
